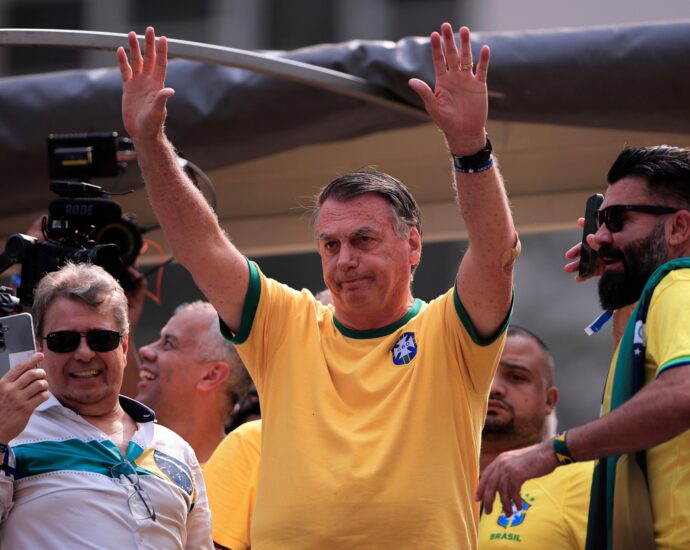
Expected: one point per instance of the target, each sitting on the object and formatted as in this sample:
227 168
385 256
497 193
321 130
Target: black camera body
83 224
38 258
85 216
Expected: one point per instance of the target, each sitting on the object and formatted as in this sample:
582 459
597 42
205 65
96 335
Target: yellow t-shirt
668 465
370 438
232 476
554 513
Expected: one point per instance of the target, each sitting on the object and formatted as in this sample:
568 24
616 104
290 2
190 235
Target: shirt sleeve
478 357
668 325
7 484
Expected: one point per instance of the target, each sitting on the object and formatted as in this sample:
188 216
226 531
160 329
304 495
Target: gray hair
213 346
404 208
406 212
88 283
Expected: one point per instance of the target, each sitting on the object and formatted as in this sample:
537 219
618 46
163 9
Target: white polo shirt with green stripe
61 491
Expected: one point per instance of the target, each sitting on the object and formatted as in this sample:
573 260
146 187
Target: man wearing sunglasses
354 453
641 485
83 467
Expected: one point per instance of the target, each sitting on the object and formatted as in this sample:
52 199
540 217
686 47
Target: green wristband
560 448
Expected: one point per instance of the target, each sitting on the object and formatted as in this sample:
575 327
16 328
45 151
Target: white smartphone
17 341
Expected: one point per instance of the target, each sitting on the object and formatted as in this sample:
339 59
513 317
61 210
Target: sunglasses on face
66 341
614 216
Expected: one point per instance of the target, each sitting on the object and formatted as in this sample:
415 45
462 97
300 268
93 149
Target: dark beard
494 428
640 260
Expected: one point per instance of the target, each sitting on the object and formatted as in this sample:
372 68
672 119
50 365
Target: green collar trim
378 332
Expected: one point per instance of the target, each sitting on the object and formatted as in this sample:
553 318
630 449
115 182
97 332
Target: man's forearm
485 211
183 213
481 195
485 273
657 413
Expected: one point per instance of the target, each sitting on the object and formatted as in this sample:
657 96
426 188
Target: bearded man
641 484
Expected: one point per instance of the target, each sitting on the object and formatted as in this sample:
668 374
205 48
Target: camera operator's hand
143 84
22 389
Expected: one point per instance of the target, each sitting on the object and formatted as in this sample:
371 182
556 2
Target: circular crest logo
405 349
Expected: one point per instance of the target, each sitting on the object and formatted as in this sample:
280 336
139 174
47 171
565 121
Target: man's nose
147 353
497 387
602 236
347 257
84 351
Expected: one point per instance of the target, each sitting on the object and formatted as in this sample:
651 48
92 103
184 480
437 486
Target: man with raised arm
373 407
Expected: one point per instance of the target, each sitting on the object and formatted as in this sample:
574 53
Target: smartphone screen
16 340
588 257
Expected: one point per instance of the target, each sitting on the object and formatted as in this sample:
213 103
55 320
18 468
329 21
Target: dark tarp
628 77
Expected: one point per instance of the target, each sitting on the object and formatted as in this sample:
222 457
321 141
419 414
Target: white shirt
63 493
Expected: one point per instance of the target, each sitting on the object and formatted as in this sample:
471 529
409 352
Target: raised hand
23 388
459 102
143 85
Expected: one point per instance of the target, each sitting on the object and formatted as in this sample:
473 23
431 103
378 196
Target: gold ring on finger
466 66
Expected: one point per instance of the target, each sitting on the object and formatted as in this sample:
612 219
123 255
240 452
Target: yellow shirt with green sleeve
370 438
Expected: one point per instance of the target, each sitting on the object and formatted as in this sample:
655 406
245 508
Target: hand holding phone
22 386
17 342
588 257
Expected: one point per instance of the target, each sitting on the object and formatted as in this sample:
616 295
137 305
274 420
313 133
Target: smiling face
521 396
86 381
366 264
171 367
630 255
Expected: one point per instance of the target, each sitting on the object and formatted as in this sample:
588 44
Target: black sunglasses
614 216
66 341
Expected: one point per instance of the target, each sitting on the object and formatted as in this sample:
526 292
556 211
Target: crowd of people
386 421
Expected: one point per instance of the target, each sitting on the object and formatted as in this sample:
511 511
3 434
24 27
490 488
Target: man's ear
414 239
215 374
552 396
679 229
125 346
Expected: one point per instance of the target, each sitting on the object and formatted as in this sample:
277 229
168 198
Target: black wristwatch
479 162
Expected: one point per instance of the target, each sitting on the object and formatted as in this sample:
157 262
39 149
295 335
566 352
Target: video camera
83 224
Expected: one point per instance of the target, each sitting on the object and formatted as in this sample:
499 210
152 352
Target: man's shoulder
565 478
247 436
164 435
671 293
248 430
